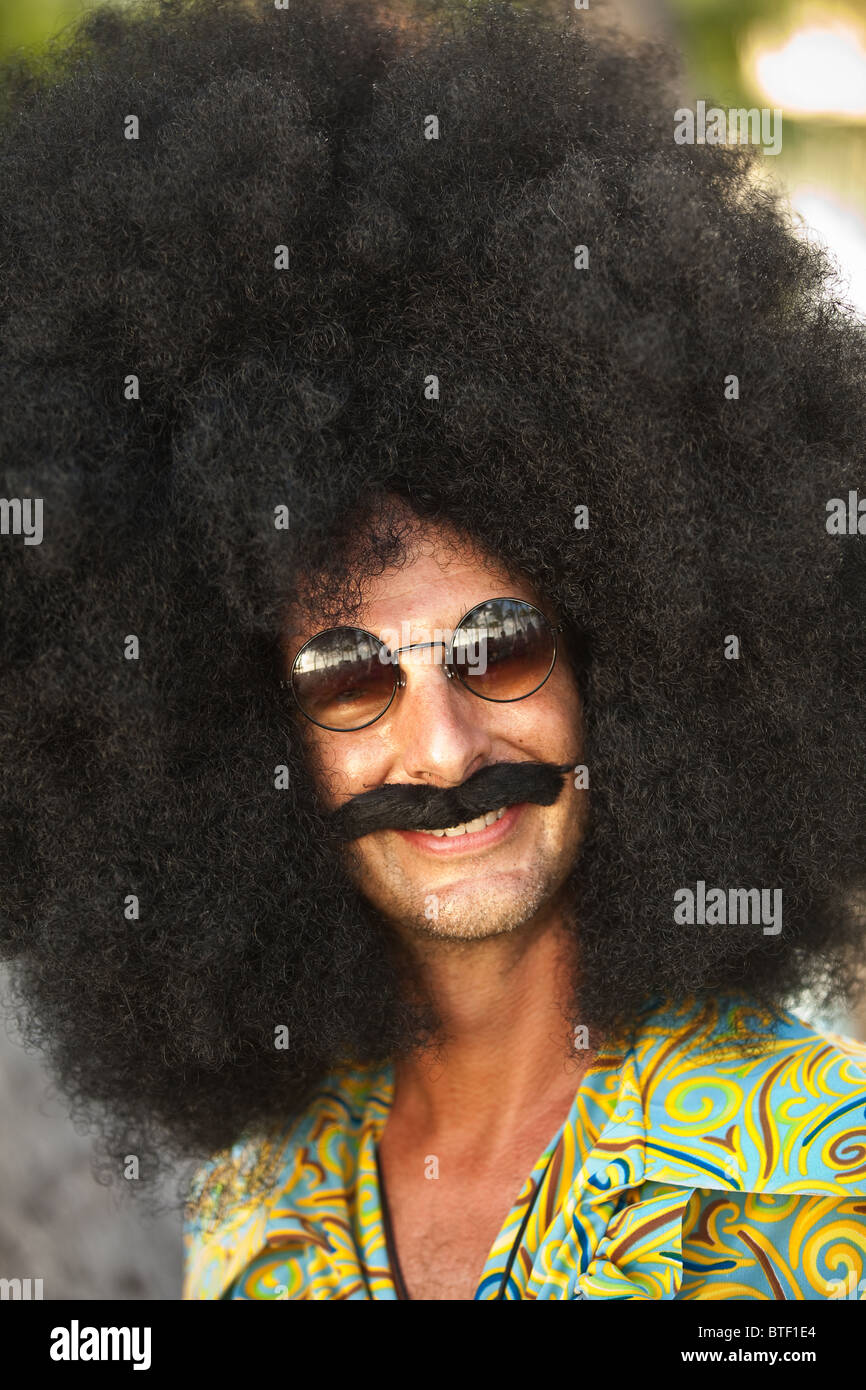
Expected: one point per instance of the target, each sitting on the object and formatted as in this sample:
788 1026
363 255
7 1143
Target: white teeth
470 826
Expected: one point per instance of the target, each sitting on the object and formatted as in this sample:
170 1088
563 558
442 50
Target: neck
508 1054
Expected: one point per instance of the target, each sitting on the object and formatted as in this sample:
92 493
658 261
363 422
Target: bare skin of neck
509 1049
483 1108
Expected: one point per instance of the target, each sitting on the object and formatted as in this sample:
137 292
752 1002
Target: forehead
441 577
440 581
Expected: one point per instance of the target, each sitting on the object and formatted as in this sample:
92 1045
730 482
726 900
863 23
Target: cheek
342 765
550 720
565 712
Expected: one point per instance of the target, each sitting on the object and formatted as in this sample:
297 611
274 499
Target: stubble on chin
458 914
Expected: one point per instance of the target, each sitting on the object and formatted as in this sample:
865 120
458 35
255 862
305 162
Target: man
439 760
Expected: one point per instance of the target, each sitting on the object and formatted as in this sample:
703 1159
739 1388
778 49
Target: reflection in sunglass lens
339 680
504 649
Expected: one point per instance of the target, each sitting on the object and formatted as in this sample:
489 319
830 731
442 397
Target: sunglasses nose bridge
400 674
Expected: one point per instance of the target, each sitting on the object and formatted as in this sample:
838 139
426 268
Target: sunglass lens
340 680
504 649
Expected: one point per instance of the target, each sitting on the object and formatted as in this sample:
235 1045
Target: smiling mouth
470 836
470 827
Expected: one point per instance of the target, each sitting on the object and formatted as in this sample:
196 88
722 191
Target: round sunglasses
346 678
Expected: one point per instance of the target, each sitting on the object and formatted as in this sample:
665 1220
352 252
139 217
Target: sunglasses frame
449 665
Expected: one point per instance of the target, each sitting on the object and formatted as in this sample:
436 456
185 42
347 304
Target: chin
472 914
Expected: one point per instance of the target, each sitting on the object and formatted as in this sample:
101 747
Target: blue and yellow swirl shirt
684 1170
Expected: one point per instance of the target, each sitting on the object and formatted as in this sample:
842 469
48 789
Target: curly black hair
238 311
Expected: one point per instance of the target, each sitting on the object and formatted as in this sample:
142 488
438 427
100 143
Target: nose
439 730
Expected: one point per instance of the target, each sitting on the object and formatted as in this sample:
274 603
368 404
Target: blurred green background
31 22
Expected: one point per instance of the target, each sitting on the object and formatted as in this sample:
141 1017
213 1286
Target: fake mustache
399 806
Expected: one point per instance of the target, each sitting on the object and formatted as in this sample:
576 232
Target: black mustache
399 806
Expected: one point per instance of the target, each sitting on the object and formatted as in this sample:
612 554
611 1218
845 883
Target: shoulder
727 1165
253 1196
781 1114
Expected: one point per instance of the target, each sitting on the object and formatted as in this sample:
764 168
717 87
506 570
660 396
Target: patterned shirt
684 1170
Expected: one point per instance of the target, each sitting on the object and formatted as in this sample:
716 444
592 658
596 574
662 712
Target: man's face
436 733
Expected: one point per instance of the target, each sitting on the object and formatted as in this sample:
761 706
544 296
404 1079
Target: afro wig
237 244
